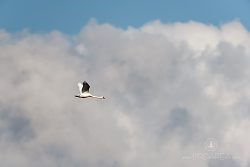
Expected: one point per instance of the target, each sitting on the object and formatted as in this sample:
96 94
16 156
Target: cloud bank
170 88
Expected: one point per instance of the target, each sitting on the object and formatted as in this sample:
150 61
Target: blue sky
70 16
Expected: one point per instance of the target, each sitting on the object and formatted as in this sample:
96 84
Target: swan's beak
103 97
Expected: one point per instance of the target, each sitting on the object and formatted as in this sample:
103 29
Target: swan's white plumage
80 87
84 91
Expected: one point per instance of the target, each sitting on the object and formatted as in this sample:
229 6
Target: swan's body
84 91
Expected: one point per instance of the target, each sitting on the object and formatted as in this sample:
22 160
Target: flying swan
84 91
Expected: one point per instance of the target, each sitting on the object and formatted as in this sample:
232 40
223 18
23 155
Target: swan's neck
98 97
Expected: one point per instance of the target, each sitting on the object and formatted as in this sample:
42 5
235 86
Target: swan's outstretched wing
80 86
85 87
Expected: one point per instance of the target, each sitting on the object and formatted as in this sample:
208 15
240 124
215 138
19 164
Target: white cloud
169 88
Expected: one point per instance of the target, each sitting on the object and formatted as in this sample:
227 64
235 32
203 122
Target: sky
69 16
177 89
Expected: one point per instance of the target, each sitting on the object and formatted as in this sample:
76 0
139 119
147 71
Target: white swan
84 91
